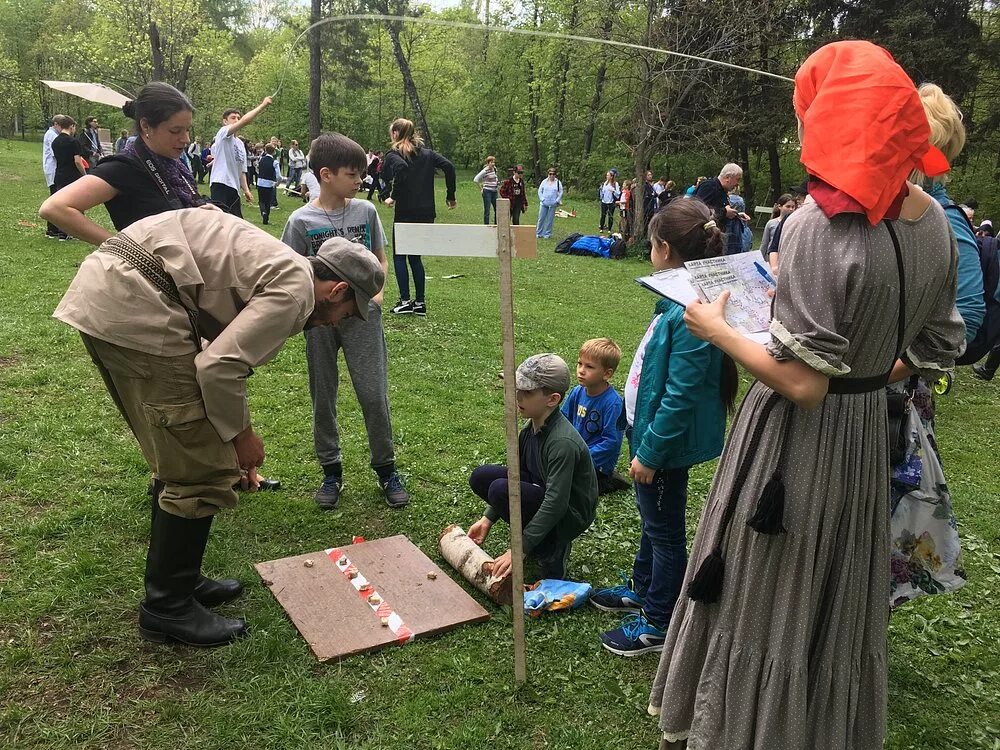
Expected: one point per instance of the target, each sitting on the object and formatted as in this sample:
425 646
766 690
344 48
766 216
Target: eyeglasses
552 173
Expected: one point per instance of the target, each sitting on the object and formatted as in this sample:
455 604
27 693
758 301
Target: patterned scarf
171 175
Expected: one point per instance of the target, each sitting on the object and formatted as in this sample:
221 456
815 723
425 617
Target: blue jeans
661 561
546 217
489 198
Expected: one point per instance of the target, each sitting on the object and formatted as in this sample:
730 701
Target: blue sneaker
636 636
328 495
618 598
395 494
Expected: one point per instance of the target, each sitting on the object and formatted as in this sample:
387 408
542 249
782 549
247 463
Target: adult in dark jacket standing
409 179
714 192
515 190
90 141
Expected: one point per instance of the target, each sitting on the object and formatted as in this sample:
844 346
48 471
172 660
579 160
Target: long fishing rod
510 30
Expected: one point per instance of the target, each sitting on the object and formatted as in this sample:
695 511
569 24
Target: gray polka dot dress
792 656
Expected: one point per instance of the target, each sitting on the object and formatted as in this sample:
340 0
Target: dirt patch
9 360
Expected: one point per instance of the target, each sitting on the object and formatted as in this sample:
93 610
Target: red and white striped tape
379 606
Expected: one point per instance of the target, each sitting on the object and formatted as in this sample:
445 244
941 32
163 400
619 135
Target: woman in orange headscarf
780 642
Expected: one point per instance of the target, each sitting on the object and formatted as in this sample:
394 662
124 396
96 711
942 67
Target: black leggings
403 276
490 483
608 212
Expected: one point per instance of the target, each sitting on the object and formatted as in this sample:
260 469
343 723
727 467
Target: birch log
469 559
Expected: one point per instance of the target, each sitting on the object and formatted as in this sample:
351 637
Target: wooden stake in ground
503 242
505 253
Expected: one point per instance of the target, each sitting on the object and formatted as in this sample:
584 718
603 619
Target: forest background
580 106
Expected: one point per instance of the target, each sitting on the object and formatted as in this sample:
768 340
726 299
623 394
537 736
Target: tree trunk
536 157
409 86
774 166
315 71
643 145
474 565
748 187
595 101
185 70
563 83
156 52
486 22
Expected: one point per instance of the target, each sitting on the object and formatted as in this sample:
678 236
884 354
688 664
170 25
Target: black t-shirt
713 195
138 196
64 148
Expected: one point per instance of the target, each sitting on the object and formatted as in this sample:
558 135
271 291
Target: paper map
749 307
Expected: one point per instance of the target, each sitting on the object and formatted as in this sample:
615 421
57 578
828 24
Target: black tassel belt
768 518
859 385
152 270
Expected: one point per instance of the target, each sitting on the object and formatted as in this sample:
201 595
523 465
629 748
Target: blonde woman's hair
947 130
404 137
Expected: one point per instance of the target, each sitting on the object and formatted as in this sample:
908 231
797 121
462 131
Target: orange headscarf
864 128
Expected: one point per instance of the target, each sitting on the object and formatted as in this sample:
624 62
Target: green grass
74 523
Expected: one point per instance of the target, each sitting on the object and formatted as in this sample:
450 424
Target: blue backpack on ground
585 244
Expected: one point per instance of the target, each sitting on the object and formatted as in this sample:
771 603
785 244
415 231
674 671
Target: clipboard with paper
747 280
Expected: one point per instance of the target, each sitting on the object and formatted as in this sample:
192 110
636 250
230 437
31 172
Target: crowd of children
677 393
673 410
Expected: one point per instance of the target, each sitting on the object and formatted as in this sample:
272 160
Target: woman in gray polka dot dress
780 643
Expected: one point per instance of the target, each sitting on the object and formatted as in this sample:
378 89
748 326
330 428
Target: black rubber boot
169 611
988 369
208 592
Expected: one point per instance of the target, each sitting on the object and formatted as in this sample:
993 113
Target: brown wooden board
337 621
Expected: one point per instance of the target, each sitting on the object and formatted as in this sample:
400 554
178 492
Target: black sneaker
420 308
614 482
982 373
395 494
405 307
328 495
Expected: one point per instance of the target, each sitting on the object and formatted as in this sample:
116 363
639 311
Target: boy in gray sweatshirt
339 163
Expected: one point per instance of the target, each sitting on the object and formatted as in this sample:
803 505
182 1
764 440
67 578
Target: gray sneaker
328 495
395 494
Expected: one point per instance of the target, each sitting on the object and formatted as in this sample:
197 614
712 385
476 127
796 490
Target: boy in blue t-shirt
597 411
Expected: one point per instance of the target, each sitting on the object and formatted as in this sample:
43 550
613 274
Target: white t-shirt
311 184
48 158
632 384
230 159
